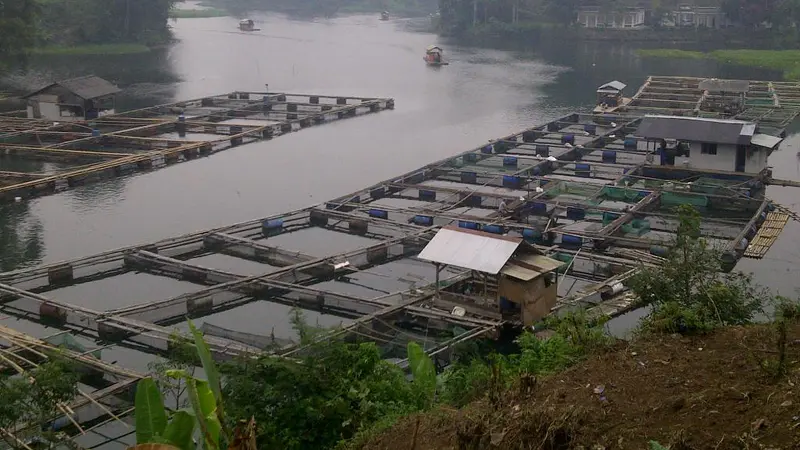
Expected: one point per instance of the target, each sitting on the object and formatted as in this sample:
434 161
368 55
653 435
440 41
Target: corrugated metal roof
88 87
695 129
469 249
613 85
731 86
765 140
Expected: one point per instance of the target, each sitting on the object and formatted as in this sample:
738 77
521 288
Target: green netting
652 184
759 102
636 226
609 217
621 193
674 198
564 257
69 342
12 138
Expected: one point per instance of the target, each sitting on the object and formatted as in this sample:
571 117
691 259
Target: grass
92 49
196 13
787 61
669 53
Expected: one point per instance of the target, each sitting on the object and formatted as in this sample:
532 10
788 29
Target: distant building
83 98
596 17
713 144
697 16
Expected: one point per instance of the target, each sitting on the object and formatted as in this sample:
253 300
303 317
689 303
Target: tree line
458 15
329 7
28 23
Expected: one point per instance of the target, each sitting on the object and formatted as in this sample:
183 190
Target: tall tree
17 26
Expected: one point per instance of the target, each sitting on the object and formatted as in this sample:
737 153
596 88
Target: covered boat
247 25
385 15
433 56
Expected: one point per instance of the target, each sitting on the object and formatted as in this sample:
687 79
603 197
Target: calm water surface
483 94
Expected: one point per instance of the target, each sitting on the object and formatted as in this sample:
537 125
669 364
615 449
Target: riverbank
91 49
396 8
702 392
528 33
787 61
204 13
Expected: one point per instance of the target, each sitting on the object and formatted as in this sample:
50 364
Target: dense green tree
332 395
689 292
17 26
68 22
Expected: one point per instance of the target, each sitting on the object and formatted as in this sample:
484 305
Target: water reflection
21 243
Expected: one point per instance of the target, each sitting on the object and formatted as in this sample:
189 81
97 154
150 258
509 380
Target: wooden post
438 269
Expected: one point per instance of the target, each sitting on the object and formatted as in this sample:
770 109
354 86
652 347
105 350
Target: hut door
741 153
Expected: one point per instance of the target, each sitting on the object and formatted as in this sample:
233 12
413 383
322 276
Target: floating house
596 17
76 99
712 144
610 97
697 16
518 282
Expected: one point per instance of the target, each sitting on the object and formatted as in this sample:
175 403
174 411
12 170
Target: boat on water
433 56
248 25
385 15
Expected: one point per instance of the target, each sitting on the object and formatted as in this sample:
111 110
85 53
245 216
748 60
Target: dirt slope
691 393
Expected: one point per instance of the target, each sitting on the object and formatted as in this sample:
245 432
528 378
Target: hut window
708 148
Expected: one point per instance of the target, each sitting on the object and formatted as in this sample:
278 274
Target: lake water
483 94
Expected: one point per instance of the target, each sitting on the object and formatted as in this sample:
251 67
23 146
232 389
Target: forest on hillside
25 24
330 7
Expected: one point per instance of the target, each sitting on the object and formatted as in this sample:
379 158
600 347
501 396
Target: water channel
481 95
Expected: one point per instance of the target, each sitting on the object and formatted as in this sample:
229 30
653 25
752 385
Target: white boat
248 25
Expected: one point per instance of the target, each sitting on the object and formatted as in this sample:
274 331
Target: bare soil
709 392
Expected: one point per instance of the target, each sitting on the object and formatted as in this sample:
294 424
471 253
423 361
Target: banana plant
152 426
423 371
206 413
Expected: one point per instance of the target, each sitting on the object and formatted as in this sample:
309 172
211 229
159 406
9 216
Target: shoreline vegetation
91 49
204 13
311 8
786 61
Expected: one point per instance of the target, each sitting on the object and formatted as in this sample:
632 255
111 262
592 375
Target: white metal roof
613 86
469 249
765 140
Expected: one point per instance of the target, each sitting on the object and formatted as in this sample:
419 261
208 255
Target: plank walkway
767 235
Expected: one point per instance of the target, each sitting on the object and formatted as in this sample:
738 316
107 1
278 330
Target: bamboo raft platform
577 188
111 397
772 104
555 185
767 235
151 138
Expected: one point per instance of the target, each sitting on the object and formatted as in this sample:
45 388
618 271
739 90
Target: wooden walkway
767 234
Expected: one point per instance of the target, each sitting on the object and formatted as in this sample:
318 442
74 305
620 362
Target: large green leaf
209 366
180 430
151 417
423 370
205 408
